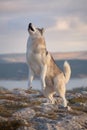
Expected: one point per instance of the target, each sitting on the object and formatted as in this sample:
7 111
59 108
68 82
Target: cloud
62 25
13 42
67 34
65 22
54 8
69 24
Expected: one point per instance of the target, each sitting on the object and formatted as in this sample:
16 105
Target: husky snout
31 28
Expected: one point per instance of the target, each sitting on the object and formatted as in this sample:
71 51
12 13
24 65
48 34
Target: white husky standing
41 63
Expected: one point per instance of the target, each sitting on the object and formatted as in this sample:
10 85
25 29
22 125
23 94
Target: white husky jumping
41 63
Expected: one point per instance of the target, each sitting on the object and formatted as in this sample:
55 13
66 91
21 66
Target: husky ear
42 31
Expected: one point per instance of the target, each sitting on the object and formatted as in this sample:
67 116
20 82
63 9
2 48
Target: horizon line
48 51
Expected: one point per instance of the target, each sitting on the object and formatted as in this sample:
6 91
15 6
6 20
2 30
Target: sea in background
14 70
10 84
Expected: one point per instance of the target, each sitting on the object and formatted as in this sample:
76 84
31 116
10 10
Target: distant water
10 84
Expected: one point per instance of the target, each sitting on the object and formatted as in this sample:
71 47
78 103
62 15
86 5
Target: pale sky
65 23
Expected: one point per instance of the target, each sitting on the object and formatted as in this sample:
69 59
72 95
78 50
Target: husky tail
67 71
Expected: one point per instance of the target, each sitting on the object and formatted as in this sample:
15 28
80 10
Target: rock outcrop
29 110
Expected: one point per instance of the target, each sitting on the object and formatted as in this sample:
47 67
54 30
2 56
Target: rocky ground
29 110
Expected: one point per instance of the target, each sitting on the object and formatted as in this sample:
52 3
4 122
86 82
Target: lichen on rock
28 110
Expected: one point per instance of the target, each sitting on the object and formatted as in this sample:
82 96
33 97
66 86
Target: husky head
35 32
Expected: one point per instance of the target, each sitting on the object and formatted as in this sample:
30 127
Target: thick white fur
36 61
40 64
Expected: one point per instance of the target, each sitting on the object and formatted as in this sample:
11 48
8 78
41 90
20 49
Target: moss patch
78 100
52 116
80 108
9 125
78 103
5 112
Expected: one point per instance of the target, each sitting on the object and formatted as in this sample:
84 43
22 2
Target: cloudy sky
65 23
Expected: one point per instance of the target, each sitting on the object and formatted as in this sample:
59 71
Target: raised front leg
30 78
43 75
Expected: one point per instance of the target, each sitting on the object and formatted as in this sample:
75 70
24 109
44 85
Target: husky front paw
44 87
68 108
30 87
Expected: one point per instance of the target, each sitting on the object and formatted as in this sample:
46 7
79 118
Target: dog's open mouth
30 27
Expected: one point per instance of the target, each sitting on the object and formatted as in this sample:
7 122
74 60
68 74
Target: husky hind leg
61 90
